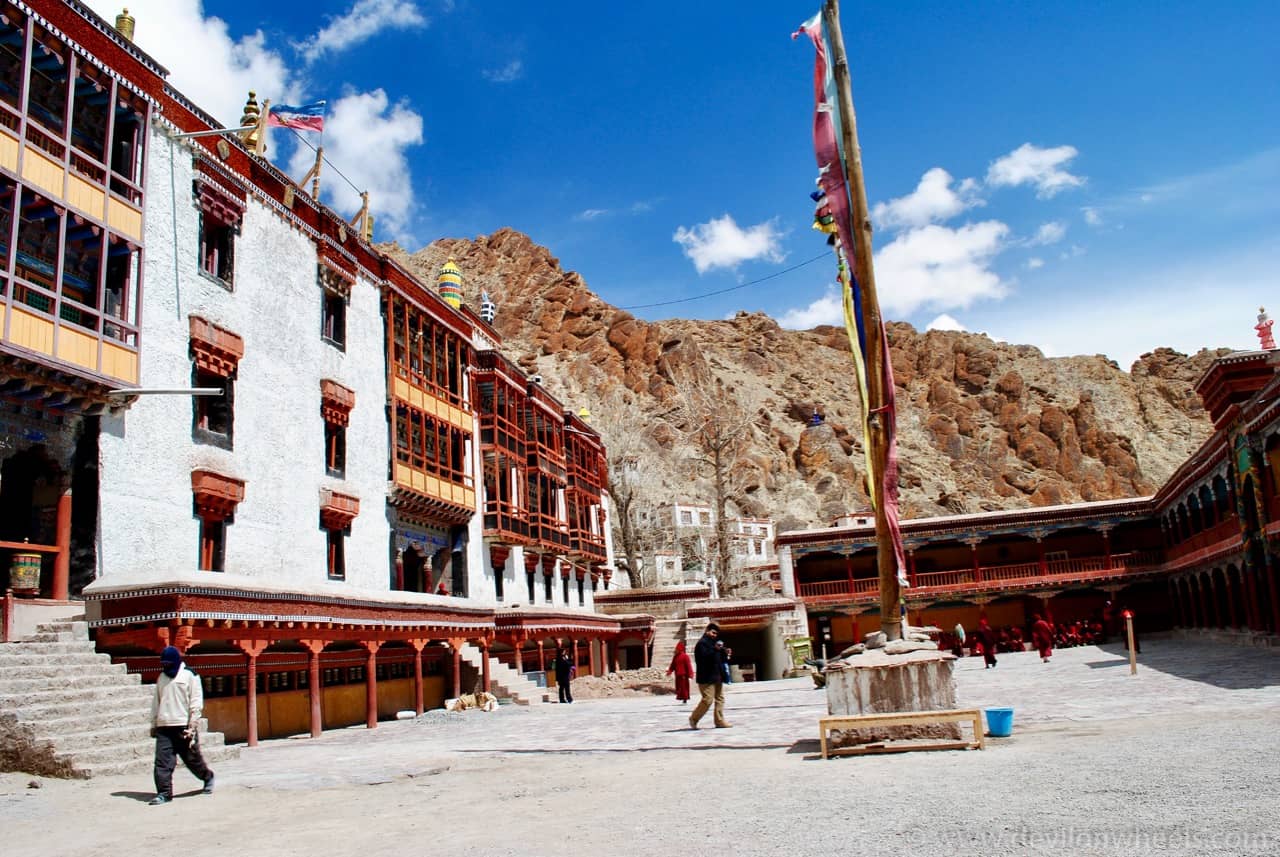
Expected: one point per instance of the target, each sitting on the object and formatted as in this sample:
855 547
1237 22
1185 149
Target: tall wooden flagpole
864 274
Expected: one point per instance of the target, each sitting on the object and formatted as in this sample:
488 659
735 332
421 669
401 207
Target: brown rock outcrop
982 425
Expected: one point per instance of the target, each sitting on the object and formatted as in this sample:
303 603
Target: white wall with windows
274 302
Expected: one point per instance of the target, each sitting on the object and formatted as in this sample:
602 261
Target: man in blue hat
175 721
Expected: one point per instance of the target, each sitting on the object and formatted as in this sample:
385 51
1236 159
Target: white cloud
205 63
932 201
1092 216
1035 262
591 214
940 267
366 137
512 71
1032 165
827 309
945 322
1048 233
364 20
722 243
1072 252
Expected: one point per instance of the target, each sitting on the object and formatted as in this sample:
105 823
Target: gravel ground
1181 759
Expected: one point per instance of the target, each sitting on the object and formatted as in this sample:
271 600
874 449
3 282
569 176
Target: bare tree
635 485
720 430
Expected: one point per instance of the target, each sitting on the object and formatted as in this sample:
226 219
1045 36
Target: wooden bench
901 718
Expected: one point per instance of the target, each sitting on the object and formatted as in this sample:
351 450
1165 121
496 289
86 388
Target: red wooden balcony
990 579
1225 531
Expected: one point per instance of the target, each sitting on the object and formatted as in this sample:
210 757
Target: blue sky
1083 177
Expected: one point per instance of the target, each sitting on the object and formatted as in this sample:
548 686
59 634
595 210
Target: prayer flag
308 117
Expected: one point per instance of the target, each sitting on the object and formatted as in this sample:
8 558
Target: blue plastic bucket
999 722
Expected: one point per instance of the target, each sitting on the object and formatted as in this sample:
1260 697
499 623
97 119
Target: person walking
707 660
565 668
682 667
987 637
1042 636
175 722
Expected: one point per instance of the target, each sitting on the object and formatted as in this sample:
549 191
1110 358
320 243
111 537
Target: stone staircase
505 681
67 711
668 632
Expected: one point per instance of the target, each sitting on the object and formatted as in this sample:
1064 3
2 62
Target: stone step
19 682
23 656
81 742
79 630
92 698
50 647
68 709
46 668
182 780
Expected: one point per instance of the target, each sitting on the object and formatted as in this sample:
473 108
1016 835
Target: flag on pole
308 117
835 216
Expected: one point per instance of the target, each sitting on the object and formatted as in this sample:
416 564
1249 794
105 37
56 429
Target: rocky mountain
982 425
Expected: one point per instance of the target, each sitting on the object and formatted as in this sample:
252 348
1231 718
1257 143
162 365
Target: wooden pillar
1270 576
371 684
418 705
399 571
848 571
457 667
1106 546
62 562
1044 563
592 662
574 649
1212 586
911 567
613 655
1251 599
314 686
251 649
484 665
977 569
645 648
542 660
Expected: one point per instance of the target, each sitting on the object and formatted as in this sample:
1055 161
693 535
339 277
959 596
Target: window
564 589
334 320
497 583
213 542
546 587
704 518
213 414
686 517
216 245
582 597
215 498
337 554
529 580
335 449
221 211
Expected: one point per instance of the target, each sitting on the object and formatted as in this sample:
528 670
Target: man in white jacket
175 718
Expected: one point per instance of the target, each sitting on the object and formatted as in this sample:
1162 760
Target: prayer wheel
24 573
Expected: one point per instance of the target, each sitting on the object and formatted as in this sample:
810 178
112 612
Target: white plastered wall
148 531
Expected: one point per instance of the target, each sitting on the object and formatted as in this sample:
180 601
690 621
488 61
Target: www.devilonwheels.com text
1125 841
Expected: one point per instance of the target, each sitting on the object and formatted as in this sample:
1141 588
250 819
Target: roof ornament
488 309
1263 327
124 24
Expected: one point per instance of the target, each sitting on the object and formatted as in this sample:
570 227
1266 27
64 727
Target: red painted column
977 569
484 664
542 662
591 657
645 648
1106 546
1044 563
457 668
1251 599
371 685
519 656
418 705
62 562
251 700
574 645
1213 597
1275 600
315 689
399 572
911 567
848 571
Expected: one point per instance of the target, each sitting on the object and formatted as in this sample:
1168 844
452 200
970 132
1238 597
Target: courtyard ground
1182 759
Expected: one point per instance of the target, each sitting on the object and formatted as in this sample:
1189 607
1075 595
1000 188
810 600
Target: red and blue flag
308 117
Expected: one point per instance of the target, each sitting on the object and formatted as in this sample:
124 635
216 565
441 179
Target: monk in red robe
1042 636
682 666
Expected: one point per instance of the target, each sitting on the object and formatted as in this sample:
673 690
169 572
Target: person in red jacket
682 667
1042 636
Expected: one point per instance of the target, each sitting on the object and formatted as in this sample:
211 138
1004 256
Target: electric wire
731 288
307 143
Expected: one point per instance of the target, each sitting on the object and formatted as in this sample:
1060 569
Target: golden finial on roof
124 24
251 116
